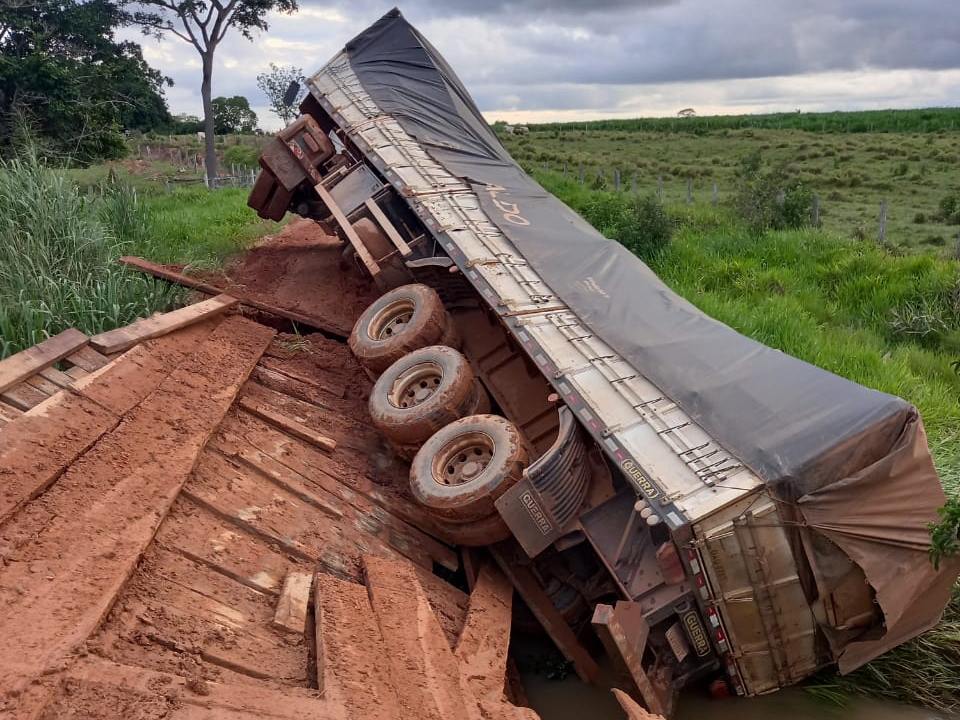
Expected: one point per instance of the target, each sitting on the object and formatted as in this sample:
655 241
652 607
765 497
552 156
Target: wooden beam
384 222
17 368
291 612
297 429
549 617
424 669
348 230
88 359
485 641
178 278
124 338
631 708
353 664
623 632
23 396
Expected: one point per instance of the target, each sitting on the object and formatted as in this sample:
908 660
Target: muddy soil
300 270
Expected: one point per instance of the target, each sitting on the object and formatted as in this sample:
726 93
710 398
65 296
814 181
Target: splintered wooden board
125 338
17 368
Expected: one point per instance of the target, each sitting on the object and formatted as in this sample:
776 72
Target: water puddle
570 699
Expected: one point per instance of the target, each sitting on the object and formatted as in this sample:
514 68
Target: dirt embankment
300 270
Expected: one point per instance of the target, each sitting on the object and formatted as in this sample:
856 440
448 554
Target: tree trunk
206 95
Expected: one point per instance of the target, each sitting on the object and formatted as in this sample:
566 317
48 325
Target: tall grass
58 254
848 307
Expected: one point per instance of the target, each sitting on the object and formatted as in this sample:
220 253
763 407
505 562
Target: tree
233 115
204 24
62 67
274 85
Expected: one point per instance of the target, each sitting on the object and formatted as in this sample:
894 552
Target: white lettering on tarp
511 211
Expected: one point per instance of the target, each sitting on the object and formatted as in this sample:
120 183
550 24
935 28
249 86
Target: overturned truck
713 507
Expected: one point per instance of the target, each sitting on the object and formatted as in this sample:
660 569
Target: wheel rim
463 459
415 385
391 320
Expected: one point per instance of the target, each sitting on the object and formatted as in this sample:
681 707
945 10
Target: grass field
852 173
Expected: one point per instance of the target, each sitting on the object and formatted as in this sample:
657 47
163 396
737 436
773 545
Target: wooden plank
215 699
280 518
425 672
623 632
125 338
289 425
53 435
388 227
549 617
278 366
17 368
88 359
177 604
348 230
283 462
76 372
294 600
631 708
200 536
61 379
159 271
107 508
40 383
353 668
485 641
23 396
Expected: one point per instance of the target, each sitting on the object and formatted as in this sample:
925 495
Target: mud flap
526 513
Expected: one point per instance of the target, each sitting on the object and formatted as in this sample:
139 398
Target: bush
949 210
246 155
640 224
767 198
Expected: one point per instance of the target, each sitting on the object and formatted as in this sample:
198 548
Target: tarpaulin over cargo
807 432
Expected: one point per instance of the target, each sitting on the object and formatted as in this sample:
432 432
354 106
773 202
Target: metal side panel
755 586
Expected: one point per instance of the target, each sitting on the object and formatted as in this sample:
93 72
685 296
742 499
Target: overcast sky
532 60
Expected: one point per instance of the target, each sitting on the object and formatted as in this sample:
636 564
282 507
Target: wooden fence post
689 191
816 211
564 171
882 232
659 187
716 193
616 180
581 174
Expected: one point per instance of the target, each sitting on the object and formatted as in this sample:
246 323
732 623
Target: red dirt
299 270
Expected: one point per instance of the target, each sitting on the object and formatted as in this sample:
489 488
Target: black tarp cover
801 428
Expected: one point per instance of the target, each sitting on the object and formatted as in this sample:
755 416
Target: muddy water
570 699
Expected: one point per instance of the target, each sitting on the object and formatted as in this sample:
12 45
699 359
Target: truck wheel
402 320
479 533
464 467
421 393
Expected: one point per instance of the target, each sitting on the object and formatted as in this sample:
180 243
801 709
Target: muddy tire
464 467
451 336
479 533
405 319
422 392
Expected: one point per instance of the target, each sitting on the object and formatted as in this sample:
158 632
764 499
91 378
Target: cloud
628 56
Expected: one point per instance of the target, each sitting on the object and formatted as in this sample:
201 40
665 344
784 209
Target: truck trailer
712 507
